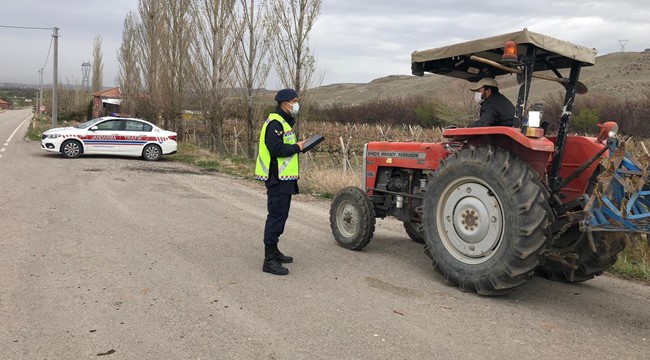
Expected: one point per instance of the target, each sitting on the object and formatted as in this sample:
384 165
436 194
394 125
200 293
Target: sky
354 41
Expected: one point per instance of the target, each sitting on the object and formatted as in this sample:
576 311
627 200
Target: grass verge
315 180
36 128
194 155
634 261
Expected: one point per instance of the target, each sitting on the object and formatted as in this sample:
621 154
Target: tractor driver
496 109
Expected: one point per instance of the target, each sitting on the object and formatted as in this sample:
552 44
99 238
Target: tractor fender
535 151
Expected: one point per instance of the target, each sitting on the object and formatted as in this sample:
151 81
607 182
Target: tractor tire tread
520 255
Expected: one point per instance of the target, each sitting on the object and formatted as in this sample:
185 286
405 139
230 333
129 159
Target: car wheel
71 149
152 152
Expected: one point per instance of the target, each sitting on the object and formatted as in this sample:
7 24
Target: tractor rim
347 219
472 220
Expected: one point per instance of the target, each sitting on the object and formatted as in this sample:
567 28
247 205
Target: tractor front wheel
352 218
590 263
415 231
485 216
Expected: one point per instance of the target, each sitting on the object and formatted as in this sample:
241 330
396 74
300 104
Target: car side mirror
93 128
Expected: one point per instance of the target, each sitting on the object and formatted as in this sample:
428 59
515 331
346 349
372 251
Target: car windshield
88 123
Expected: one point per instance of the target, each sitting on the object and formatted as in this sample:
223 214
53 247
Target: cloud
25 50
353 41
361 40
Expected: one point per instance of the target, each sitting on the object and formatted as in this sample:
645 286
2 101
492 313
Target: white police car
111 136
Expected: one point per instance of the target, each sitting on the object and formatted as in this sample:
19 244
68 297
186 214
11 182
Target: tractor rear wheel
590 264
485 216
352 218
415 231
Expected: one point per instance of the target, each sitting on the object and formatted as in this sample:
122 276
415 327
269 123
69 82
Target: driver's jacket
496 110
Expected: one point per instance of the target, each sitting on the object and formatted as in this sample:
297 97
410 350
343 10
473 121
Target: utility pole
40 95
36 111
55 84
40 113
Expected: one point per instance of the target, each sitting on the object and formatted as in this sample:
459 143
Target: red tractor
495 205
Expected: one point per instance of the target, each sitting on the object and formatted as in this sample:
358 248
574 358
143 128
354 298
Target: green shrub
433 113
585 121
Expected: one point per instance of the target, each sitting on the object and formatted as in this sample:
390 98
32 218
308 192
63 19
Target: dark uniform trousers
278 207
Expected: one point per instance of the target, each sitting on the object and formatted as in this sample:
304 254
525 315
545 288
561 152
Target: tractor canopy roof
455 60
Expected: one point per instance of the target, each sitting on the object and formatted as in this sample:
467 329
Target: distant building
4 105
106 102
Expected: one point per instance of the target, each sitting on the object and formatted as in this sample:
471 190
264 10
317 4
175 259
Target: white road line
2 150
15 131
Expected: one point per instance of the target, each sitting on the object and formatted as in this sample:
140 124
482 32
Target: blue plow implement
621 201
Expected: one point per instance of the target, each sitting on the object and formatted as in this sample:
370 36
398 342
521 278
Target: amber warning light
509 52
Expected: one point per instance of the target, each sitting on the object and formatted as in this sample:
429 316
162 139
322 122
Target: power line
33 28
48 52
55 67
25 27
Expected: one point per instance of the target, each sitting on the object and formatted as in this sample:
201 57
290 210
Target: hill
623 75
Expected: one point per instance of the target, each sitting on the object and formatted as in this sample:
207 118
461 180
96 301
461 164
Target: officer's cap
286 95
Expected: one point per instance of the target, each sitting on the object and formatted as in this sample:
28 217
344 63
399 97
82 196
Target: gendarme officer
277 166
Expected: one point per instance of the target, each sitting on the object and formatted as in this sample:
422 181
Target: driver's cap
483 82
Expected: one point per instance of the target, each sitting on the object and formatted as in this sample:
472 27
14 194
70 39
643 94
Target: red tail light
172 137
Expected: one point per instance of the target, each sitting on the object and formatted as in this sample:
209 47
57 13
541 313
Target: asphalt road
119 258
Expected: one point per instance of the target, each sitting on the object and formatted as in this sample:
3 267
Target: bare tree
128 78
98 65
148 40
175 38
252 64
213 51
292 57
72 101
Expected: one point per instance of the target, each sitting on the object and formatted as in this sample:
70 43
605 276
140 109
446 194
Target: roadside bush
632 115
403 111
585 121
432 113
384 111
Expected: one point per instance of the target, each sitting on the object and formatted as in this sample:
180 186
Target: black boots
273 260
272 263
281 257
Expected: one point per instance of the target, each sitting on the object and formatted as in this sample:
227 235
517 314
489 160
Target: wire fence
343 144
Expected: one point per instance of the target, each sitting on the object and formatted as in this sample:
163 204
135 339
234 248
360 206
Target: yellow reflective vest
288 168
